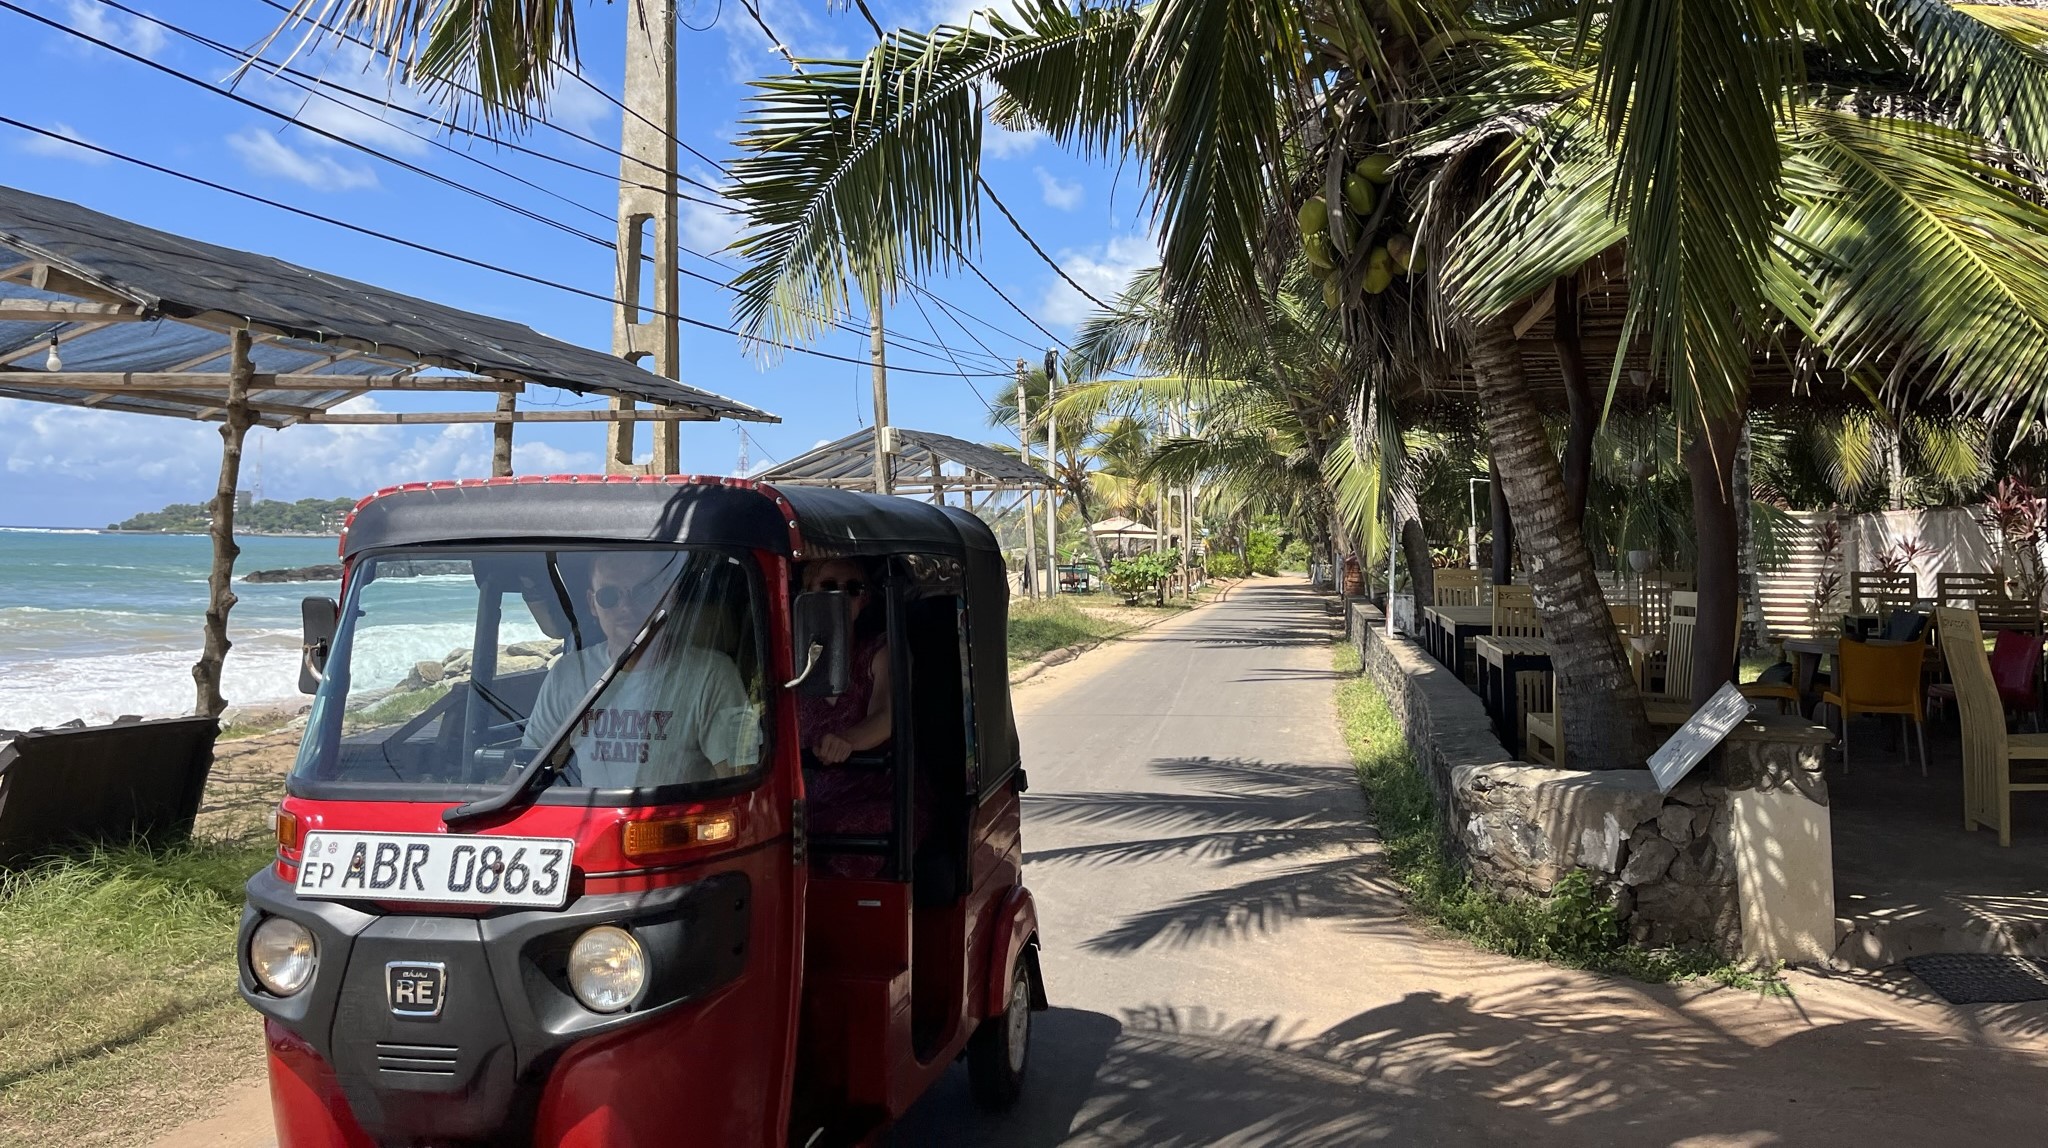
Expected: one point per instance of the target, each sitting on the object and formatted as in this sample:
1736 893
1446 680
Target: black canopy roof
310 323
804 522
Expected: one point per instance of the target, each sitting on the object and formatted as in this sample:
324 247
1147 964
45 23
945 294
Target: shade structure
1121 527
919 465
142 320
103 313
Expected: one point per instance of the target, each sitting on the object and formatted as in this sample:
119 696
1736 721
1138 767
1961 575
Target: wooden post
501 438
220 580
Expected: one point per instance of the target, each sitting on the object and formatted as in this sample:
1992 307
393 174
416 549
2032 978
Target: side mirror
318 618
822 644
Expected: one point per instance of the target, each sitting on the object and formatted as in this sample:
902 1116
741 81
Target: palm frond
868 171
1920 258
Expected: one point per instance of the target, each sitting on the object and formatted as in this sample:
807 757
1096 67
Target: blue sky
61 466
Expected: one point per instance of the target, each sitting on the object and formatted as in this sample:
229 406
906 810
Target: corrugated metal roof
317 324
849 464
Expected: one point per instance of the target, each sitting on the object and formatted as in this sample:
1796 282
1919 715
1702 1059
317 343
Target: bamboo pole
220 580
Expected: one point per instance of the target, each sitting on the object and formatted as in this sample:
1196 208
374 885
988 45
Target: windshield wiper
554 752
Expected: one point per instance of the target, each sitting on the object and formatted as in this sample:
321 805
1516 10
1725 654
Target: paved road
1228 964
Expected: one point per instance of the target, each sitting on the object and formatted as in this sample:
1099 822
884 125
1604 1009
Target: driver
675 713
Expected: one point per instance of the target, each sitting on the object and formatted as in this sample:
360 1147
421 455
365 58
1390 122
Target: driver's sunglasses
612 597
853 588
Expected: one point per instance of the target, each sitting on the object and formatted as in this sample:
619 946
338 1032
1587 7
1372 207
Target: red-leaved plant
2014 516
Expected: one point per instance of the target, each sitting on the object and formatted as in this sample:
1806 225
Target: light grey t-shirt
678 714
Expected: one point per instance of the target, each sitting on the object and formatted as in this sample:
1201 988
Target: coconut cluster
1325 232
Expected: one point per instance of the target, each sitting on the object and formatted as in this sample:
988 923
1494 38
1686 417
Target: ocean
94 625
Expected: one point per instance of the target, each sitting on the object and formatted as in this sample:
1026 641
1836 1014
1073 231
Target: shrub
1224 564
1142 573
1295 556
1262 551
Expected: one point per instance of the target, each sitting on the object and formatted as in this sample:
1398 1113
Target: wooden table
1446 628
1500 660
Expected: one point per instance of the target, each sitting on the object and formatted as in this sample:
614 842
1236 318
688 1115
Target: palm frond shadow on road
1295 835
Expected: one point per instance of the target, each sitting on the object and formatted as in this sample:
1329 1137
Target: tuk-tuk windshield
453 668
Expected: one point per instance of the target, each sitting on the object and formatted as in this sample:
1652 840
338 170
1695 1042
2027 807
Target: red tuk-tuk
547 872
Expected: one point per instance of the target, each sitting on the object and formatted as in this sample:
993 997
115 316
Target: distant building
244 500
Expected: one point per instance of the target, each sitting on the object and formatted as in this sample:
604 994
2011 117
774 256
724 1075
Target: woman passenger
847 800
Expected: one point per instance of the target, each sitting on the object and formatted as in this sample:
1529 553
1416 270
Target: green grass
1037 627
118 1011
1572 927
396 709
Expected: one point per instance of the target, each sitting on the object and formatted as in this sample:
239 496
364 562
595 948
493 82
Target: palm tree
1706 141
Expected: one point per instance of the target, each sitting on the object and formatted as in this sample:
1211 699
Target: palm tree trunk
1502 525
1583 417
1421 570
1710 463
1600 712
1086 505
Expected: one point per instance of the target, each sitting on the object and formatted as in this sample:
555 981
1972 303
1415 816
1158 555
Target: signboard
1702 732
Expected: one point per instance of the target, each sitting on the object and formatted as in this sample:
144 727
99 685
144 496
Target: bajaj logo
415 988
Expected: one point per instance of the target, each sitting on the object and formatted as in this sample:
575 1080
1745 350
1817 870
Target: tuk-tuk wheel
1000 1049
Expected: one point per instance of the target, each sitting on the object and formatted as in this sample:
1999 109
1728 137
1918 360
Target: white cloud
535 457
58 149
265 154
575 107
102 23
1062 194
178 461
1103 272
999 142
706 228
750 54
964 11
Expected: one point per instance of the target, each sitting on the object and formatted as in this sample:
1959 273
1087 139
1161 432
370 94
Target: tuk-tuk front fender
1016 939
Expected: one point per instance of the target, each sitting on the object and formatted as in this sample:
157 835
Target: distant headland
312 516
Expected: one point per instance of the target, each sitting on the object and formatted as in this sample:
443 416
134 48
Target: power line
232 53
550 125
715 164
438 252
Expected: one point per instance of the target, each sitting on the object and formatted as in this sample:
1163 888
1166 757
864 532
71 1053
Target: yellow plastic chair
1996 764
1456 586
1880 678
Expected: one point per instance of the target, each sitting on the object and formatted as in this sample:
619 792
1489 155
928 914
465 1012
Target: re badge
415 988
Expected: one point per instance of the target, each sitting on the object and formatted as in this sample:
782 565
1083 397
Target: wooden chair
1996 764
1456 586
1882 591
1962 589
1628 618
1879 678
1514 613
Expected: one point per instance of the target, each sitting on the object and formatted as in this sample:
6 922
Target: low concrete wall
1668 862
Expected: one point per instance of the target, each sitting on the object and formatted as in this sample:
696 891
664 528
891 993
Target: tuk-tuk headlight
282 955
607 969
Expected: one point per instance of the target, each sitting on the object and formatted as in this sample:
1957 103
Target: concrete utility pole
1030 503
1052 470
647 204
878 354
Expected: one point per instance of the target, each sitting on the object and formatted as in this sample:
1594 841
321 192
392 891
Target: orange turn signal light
668 834
287 830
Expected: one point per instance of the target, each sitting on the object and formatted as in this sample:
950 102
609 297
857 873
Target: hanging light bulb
54 362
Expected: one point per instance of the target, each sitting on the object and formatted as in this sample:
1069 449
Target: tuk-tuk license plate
436 867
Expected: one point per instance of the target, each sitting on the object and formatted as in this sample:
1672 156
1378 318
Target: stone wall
1667 861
